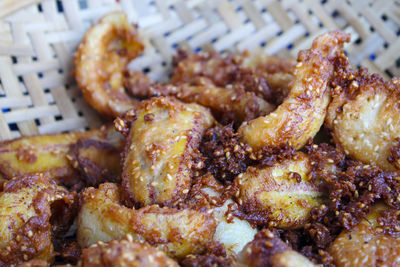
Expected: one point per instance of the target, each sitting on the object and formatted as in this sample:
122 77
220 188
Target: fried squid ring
302 113
364 116
161 149
124 252
176 232
100 61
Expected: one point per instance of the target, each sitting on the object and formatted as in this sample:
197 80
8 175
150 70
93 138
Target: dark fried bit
268 250
49 154
176 232
161 147
364 115
367 244
281 195
100 62
124 252
394 157
25 214
228 104
96 161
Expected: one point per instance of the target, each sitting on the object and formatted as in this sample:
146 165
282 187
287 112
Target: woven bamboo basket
38 94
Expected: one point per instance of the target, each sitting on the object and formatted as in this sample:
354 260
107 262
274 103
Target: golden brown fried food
364 116
25 230
124 252
302 113
100 61
269 250
366 244
176 232
232 103
283 193
233 233
48 154
160 151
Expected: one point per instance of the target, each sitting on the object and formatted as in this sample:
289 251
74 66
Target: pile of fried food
239 160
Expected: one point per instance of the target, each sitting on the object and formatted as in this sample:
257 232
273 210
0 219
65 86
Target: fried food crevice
302 113
161 148
100 62
176 232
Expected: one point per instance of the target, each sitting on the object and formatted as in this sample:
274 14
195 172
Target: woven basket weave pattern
38 94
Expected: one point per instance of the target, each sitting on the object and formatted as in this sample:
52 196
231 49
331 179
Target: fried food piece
366 244
160 151
269 250
25 212
124 252
283 194
232 232
100 61
302 113
49 154
364 116
232 103
221 70
176 232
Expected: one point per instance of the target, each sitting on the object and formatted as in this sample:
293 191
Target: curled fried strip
124 252
302 113
50 154
25 230
283 195
176 232
100 61
161 148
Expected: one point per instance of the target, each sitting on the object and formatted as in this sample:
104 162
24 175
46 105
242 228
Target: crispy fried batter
282 195
364 116
160 151
25 212
124 252
302 113
268 250
366 244
100 61
48 154
176 232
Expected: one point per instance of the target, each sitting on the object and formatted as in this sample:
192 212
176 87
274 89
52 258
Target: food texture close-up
227 133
